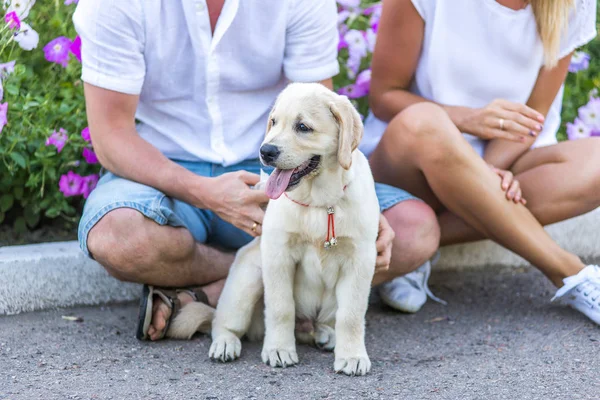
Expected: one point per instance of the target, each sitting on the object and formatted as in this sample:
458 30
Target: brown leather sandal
169 297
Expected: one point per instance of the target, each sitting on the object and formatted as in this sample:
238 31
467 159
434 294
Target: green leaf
52 213
6 202
32 218
19 159
20 226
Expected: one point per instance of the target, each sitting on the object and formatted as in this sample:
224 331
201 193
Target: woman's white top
476 51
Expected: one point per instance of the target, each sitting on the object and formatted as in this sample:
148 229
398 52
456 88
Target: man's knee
417 230
120 242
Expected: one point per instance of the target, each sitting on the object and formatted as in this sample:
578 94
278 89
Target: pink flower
3 118
13 21
67 2
85 134
71 184
76 48
57 51
578 130
88 185
90 156
57 139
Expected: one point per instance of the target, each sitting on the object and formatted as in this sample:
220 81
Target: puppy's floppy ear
350 129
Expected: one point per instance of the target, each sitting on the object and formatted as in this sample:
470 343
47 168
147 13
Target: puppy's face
309 128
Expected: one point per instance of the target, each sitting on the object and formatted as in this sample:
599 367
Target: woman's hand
510 185
385 239
503 119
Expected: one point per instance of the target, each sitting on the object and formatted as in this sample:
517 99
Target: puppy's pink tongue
278 182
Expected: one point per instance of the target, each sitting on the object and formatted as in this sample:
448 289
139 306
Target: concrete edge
54 275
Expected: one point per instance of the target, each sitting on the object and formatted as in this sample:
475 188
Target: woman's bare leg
423 152
559 182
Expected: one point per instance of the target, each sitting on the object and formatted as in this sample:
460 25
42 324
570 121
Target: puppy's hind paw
279 357
225 348
325 337
353 366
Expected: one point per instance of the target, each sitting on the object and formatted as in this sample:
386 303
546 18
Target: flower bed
47 163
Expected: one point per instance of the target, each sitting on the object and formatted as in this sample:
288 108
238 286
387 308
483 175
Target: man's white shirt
205 96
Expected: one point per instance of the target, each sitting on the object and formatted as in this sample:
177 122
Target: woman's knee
424 127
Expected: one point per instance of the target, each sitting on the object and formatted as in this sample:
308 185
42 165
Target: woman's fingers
518 123
522 109
513 191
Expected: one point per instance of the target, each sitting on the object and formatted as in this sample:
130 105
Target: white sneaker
409 293
582 292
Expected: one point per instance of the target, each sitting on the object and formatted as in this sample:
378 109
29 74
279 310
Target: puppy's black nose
269 153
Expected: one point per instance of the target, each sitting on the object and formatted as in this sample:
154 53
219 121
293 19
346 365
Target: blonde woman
492 70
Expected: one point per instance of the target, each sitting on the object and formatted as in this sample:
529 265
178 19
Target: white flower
21 7
27 37
371 37
590 114
357 44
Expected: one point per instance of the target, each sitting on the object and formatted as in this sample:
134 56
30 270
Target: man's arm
120 149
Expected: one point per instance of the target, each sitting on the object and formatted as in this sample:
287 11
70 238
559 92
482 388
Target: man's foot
161 312
582 292
409 293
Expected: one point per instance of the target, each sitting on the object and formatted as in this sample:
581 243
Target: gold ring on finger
254 226
501 124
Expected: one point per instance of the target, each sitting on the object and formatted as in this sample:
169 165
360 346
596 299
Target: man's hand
510 185
234 201
385 239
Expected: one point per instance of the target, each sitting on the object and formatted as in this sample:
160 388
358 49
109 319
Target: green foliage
42 98
580 85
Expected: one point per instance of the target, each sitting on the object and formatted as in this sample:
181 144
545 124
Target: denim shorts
205 226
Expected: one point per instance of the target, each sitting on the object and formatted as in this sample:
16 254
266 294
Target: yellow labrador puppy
315 260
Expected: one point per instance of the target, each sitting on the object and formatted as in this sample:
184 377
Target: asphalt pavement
499 338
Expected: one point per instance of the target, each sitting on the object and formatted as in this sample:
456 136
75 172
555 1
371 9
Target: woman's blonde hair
552 18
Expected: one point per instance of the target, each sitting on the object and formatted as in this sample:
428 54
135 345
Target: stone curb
52 275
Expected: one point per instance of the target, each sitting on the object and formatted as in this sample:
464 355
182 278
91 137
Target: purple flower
85 134
579 62
342 44
353 91
590 116
71 184
343 16
7 69
57 139
13 21
3 118
360 87
90 156
67 2
76 48
375 12
88 185
578 130
57 51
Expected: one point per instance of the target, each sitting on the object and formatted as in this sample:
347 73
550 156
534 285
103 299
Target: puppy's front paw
279 357
357 365
226 347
